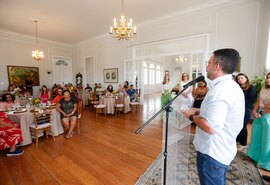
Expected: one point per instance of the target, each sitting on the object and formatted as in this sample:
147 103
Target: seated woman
58 96
126 86
109 89
200 93
10 135
45 94
7 101
259 148
67 106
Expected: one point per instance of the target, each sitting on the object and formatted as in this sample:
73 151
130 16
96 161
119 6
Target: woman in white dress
186 98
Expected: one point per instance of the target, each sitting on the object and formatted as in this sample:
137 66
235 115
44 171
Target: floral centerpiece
36 101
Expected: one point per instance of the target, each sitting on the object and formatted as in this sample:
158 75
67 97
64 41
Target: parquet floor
107 152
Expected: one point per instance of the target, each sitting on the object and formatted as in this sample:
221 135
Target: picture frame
110 75
23 75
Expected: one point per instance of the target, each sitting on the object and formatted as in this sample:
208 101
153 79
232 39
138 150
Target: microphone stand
168 109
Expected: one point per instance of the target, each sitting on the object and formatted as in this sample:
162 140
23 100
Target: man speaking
219 120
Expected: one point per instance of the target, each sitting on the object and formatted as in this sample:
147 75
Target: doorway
89 72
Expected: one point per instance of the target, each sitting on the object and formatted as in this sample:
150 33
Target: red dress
9 136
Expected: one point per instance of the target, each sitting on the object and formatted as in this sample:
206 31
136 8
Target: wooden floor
107 152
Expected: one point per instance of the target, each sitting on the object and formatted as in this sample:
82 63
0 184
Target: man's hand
187 113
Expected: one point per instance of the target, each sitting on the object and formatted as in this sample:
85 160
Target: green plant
259 81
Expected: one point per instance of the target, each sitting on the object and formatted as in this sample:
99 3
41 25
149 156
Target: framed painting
23 75
110 75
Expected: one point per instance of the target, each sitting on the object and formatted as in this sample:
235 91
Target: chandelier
123 30
37 54
181 59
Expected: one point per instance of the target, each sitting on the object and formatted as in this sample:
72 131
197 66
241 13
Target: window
145 73
151 74
158 75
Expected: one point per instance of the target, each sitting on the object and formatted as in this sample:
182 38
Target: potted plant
259 81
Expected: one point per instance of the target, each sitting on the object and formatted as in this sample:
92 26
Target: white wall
240 24
17 49
107 53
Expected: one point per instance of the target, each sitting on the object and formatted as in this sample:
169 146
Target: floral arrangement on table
36 101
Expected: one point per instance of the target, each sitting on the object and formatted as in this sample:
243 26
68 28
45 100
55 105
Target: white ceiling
73 21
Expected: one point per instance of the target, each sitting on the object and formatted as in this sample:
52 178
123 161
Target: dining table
84 96
25 119
109 101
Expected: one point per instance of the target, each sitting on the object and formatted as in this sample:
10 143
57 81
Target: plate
20 110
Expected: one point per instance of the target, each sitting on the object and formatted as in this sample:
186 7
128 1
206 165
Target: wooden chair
101 106
43 122
79 110
119 105
93 99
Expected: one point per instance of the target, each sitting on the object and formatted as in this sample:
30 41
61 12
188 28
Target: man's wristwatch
191 117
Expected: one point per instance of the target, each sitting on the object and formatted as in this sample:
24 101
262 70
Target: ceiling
73 21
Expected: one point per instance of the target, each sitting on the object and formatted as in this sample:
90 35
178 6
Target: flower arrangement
36 101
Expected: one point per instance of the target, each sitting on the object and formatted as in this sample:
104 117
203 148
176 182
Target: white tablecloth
25 119
110 102
85 98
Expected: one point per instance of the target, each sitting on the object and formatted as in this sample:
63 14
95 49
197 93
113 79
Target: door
62 70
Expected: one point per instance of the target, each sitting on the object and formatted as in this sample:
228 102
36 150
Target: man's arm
203 124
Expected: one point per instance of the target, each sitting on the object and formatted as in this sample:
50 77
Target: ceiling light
181 59
37 54
122 31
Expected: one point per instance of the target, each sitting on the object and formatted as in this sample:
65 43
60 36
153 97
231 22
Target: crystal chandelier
37 54
123 30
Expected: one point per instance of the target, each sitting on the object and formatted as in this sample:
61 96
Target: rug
241 172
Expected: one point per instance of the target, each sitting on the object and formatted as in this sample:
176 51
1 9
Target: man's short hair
228 58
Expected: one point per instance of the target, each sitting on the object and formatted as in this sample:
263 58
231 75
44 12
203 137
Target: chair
43 122
93 99
79 110
135 103
119 105
101 106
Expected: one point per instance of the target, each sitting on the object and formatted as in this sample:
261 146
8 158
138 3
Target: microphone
200 78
